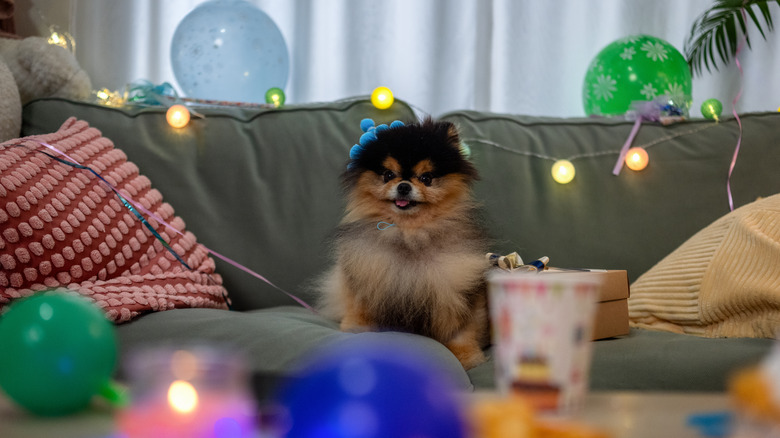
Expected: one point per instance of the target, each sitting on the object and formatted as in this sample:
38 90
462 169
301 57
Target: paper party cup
542 325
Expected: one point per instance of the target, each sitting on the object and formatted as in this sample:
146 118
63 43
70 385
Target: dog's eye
388 175
426 178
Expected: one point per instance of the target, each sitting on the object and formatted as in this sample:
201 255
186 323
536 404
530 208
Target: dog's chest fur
413 281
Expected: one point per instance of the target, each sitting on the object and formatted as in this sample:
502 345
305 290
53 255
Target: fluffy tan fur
423 275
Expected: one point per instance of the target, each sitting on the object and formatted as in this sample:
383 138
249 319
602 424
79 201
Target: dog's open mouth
405 204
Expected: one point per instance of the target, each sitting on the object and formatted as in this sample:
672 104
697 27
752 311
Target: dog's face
412 174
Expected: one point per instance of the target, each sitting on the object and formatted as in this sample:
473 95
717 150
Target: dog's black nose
404 188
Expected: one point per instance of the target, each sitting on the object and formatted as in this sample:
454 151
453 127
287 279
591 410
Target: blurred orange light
178 116
637 159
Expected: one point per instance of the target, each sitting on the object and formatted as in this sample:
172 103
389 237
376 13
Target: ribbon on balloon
662 109
144 92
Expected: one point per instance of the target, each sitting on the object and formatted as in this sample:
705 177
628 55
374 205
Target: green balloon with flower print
634 69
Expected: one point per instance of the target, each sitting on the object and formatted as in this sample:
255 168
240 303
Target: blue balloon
369 389
229 50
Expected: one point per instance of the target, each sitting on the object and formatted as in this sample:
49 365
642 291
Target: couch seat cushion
648 360
272 340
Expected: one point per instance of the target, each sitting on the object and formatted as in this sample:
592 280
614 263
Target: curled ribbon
125 202
624 150
736 116
662 109
145 92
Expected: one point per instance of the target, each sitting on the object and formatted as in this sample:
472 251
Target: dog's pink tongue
401 203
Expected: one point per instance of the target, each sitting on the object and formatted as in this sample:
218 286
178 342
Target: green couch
261 186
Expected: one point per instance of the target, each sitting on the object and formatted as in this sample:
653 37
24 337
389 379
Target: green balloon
58 351
632 69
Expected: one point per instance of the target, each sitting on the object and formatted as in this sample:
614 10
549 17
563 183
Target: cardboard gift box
611 318
612 309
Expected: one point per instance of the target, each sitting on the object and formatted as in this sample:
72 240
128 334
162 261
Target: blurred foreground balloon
58 351
370 390
632 69
229 50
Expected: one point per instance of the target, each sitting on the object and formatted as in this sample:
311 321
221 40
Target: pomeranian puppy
410 253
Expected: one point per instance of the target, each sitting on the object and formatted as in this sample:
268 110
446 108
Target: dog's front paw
467 350
352 328
351 324
472 359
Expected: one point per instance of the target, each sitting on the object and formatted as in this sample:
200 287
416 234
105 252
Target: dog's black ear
442 129
458 160
453 134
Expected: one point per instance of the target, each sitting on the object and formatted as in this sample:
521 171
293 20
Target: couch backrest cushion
260 186
600 220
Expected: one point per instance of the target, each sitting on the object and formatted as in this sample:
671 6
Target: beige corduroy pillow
722 282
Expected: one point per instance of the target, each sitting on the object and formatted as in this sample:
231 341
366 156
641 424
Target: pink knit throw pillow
61 227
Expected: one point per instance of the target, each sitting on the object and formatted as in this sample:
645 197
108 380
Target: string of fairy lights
562 170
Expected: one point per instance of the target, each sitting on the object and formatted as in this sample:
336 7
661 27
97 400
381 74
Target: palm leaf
719 29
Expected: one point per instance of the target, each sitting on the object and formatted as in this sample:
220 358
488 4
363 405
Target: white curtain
507 56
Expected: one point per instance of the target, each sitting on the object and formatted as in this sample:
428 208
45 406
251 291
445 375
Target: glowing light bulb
563 171
182 397
109 98
275 96
637 159
382 97
62 39
711 109
178 116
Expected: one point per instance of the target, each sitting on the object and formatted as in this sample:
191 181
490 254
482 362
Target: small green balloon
711 109
58 351
634 69
275 96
